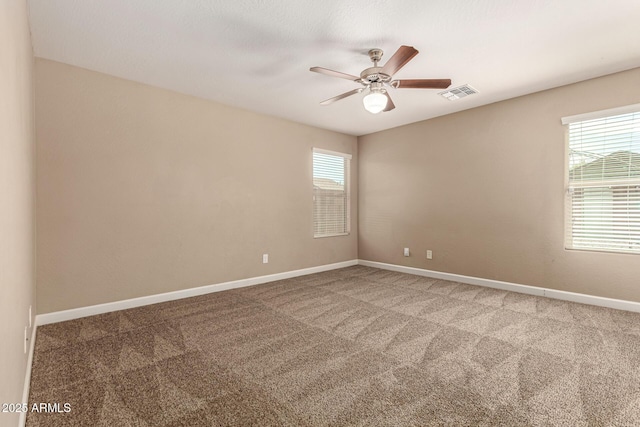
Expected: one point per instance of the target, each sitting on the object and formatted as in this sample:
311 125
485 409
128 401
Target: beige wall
142 191
16 199
483 189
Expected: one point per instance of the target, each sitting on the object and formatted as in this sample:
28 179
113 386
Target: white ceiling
256 54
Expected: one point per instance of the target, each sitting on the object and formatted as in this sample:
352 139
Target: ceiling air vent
458 92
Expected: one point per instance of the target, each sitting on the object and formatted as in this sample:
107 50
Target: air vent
458 92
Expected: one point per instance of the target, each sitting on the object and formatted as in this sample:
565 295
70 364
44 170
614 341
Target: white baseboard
27 376
617 304
61 316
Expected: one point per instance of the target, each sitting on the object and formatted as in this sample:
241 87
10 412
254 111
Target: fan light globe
374 102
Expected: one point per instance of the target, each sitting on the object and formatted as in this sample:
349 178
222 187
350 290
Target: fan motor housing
373 74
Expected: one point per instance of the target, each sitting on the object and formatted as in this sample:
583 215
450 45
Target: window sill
330 235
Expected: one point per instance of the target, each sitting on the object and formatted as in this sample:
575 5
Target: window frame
347 189
583 186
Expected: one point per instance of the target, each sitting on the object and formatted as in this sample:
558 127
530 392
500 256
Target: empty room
338 213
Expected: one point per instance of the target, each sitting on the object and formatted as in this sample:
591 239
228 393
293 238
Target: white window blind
331 195
603 185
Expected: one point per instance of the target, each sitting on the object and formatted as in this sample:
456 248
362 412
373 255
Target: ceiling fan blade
399 59
341 96
332 73
390 105
422 83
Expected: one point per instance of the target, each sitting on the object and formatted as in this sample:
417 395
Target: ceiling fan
376 80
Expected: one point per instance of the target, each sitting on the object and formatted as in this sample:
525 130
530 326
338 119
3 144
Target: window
603 181
331 194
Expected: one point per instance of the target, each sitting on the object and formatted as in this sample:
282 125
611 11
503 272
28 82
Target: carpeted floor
355 346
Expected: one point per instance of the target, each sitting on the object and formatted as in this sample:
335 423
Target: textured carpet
356 346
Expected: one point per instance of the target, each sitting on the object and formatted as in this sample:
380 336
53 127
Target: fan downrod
375 55
374 74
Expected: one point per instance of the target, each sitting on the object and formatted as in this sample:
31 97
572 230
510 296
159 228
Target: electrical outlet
429 255
26 338
406 251
265 258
